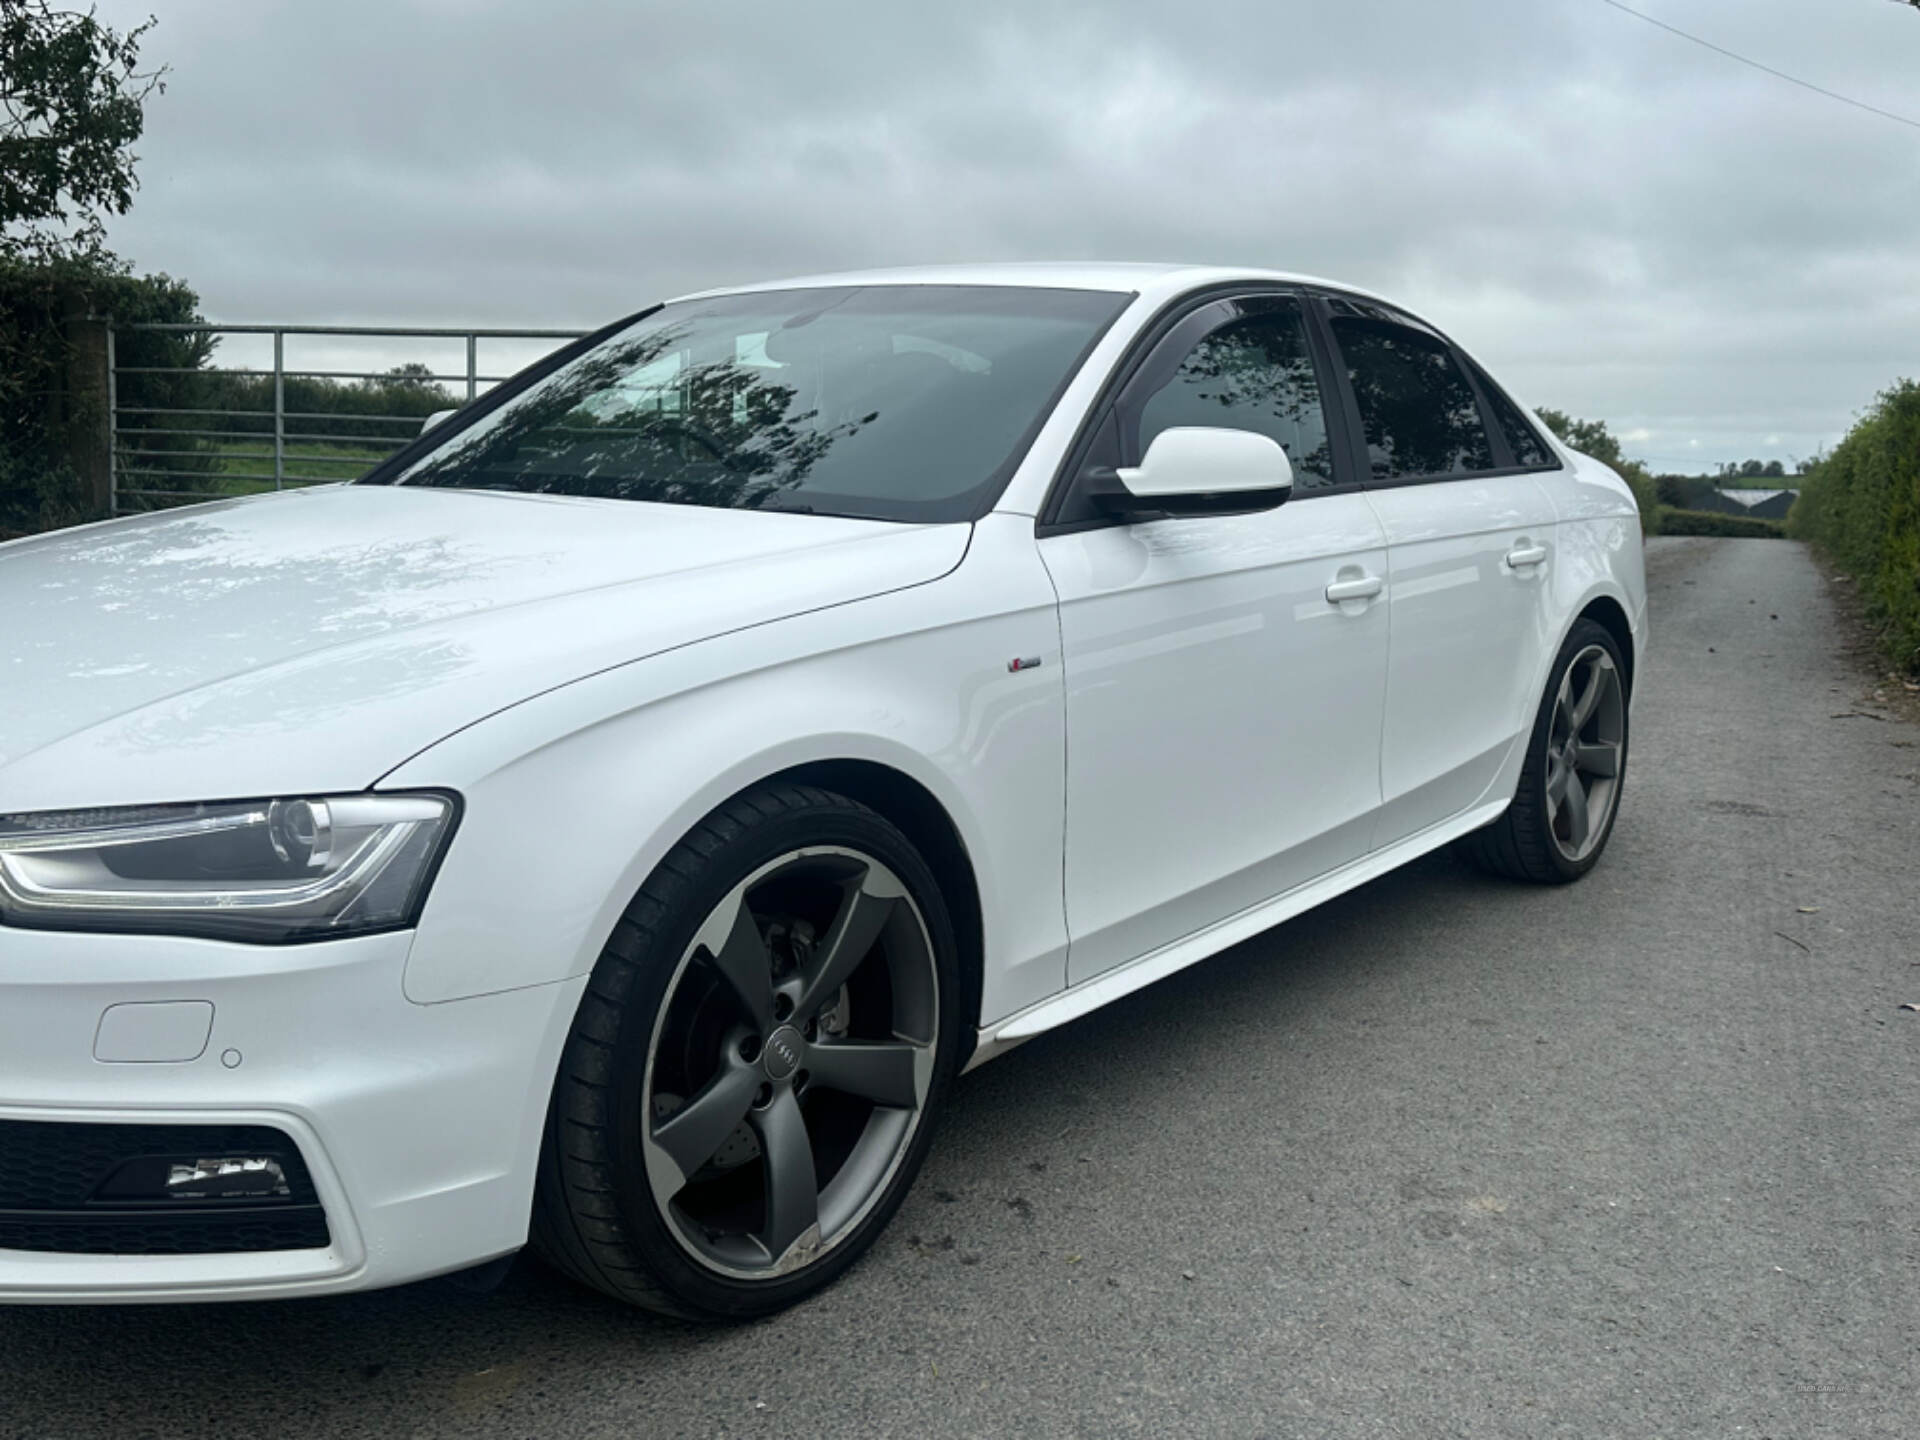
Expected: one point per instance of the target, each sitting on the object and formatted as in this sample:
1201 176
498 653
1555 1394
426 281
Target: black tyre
752 1079
1569 792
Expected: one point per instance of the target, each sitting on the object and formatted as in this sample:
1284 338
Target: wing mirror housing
1196 470
435 418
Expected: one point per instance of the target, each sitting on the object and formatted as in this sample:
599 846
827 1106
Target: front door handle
1525 554
1363 588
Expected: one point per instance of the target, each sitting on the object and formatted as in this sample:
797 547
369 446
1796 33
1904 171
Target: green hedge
40 420
1644 495
1861 505
1670 521
405 393
37 415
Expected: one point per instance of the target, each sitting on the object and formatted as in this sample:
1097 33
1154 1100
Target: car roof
1152 280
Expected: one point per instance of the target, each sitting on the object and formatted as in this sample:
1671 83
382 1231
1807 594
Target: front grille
55 1194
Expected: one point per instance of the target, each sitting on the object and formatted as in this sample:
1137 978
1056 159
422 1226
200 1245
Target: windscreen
898 402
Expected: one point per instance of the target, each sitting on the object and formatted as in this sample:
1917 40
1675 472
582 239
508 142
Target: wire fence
183 429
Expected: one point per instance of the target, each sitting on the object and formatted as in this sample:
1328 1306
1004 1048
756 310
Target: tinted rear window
1418 409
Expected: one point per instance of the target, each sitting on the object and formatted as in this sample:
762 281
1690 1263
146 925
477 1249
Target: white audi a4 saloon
613 823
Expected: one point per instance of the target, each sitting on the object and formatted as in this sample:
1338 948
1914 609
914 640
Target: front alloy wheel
751 1081
790 1066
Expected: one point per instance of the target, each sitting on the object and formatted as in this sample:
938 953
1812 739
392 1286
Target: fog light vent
73 1187
237 1177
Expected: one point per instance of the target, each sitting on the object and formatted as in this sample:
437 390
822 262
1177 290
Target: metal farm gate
183 429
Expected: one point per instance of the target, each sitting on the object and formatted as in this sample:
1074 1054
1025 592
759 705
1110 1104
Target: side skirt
1002 1036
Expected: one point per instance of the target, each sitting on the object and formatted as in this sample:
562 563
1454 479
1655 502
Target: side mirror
434 419
1197 470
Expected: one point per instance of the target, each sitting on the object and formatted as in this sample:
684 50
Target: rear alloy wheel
1587 741
1569 791
753 1074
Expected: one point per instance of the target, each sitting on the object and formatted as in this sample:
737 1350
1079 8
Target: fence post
279 409
113 423
89 415
473 366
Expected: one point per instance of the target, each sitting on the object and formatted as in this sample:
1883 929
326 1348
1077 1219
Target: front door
1223 716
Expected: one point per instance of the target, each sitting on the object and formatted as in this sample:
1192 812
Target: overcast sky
1617 222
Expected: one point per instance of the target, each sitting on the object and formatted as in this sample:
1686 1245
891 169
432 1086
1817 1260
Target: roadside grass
244 466
239 464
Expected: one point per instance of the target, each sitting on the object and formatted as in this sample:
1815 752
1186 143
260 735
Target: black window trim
1504 465
1146 344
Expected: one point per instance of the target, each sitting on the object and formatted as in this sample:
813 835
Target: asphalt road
1446 1157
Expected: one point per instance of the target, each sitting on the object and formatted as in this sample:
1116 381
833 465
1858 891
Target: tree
71 98
1752 470
1589 437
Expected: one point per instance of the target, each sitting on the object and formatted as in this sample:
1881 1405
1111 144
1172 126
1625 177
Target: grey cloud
1621 224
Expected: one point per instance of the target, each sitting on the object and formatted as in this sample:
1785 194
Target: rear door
1470 543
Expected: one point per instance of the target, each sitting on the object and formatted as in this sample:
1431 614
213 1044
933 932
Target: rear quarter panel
1600 551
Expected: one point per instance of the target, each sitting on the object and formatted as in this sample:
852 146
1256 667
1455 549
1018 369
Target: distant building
1760 504
1703 492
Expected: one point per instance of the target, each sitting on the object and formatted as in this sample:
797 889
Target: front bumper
419 1124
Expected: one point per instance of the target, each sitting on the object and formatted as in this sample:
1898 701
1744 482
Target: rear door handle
1364 588
1525 554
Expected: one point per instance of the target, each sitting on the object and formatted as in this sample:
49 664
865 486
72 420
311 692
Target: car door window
1255 372
1416 405
1523 440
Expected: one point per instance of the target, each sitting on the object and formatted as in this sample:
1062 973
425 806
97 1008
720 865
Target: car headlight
265 871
